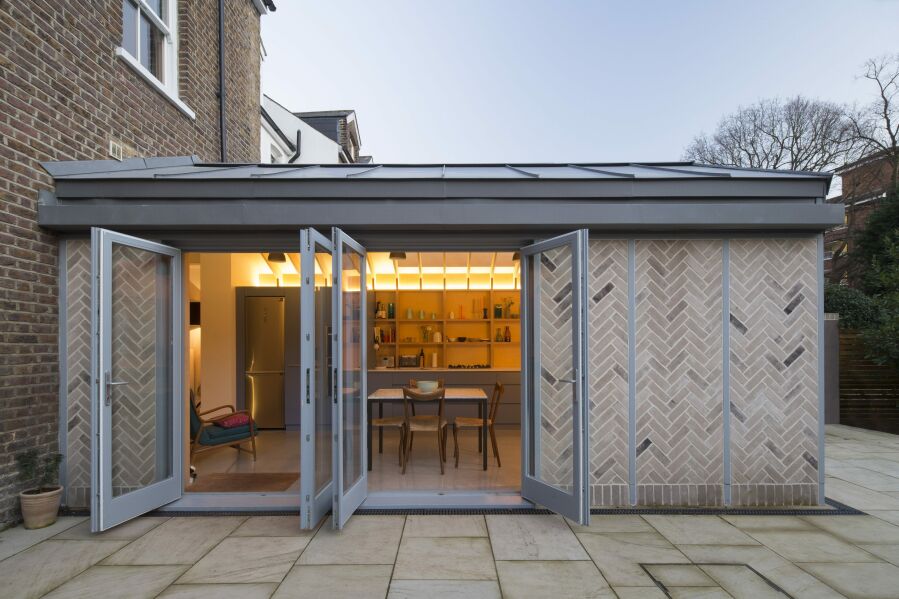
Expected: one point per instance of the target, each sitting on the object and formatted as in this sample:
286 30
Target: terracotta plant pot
40 509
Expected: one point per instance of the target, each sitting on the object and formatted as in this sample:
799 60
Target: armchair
205 435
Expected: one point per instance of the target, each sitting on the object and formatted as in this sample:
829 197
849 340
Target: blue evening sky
564 80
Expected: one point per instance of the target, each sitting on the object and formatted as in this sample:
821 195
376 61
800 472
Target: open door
554 375
316 431
136 389
350 374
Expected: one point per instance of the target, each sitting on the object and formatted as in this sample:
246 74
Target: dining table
454 396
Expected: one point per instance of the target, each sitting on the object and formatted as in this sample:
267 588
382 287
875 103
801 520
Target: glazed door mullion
316 430
554 359
135 377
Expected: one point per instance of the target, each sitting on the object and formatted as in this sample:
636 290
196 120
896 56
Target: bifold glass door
333 361
316 362
350 375
554 375
135 377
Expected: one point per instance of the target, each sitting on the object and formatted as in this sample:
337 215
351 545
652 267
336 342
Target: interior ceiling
432 266
443 263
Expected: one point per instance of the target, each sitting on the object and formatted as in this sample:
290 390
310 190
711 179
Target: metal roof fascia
375 188
249 215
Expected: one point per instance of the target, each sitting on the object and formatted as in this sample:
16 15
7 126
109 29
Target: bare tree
876 126
797 134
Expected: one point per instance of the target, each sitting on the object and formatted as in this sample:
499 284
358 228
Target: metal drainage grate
836 509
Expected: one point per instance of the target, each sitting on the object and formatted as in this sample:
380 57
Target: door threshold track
406 501
230 502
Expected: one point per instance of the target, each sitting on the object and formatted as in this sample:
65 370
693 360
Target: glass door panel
349 314
136 382
317 368
554 407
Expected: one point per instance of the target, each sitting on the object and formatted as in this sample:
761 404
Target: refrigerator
264 360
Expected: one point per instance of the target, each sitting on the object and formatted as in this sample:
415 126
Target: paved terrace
489 556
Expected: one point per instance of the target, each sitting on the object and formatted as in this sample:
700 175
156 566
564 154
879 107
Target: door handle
109 385
335 386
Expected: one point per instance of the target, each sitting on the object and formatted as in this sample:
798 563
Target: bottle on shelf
507 335
421 358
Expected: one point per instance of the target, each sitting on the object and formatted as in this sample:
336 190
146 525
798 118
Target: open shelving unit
454 313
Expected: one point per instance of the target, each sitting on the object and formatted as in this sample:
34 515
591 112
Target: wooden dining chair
397 422
471 422
413 383
431 423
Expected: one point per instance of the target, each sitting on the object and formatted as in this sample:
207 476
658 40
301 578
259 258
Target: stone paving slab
260 557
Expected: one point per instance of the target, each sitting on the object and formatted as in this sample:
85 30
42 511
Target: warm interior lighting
438 270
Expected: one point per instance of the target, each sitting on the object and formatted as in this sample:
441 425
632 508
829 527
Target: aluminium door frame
346 501
108 511
533 489
313 505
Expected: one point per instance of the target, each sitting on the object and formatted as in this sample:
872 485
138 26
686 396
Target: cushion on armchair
233 421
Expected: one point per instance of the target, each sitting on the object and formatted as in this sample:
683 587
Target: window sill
135 65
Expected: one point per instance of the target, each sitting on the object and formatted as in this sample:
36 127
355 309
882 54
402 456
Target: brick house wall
64 96
863 185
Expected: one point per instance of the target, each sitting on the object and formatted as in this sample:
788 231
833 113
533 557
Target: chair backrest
495 399
195 421
414 383
411 395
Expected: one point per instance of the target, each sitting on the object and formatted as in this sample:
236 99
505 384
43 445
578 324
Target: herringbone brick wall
774 371
679 381
135 318
679 372
135 314
608 376
77 466
556 416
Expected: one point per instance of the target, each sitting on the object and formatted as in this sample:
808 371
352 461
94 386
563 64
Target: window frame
168 27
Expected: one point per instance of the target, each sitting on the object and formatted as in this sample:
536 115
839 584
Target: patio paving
625 556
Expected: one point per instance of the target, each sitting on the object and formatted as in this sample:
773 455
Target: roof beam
604 172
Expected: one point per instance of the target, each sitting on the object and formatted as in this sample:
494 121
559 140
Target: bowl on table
427 386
